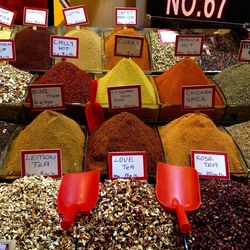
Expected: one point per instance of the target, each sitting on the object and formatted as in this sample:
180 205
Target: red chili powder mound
77 83
123 132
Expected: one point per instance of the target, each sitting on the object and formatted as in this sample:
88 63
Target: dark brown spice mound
123 132
222 221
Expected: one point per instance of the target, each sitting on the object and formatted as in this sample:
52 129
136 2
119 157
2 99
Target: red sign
7 50
244 52
126 16
35 17
7 17
75 16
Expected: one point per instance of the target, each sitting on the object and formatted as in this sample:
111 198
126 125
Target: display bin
236 114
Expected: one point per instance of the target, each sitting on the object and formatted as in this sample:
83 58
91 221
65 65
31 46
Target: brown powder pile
123 132
197 132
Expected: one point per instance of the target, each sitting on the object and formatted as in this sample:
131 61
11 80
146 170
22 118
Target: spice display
13 84
127 216
122 132
222 221
32 49
90 49
223 56
77 83
197 132
241 135
126 72
234 83
112 60
50 130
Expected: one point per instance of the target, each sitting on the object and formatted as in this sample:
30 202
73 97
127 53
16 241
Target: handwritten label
189 45
36 17
244 53
128 46
75 16
128 165
7 17
124 97
210 164
167 36
198 97
7 50
44 162
46 96
126 16
64 47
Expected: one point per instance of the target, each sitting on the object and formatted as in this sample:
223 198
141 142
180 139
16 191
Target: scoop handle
182 217
94 86
69 218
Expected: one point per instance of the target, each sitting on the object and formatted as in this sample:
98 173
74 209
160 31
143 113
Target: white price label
7 50
46 96
75 16
189 45
210 164
128 165
44 162
167 36
7 17
126 16
36 17
64 47
244 53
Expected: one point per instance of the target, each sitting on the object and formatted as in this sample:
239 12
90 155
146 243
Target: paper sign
167 36
7 17
75 16
210 164
7 50
198 97
50 96
44 162
244 53
189 45
126 16
124 97
128 46
128 165
61 46
35 17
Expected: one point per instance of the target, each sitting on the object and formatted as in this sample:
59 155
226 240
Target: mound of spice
50 130
13 84
77 83
241 135
222 221
184 73
32 49
90 49
122 132
234 83
126 72
112 60
197 132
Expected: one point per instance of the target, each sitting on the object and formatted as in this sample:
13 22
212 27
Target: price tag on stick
7 17
128 165
75 16
35 17
244 52
126 16
210 164
7 50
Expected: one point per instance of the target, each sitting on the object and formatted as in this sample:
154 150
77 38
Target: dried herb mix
122 132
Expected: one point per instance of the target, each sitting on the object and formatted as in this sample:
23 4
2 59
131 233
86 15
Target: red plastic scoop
178 189
94 112
78 192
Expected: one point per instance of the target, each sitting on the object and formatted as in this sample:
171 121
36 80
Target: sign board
128 46
35 17
189 45
210 164
244 52
49 96
7 244
200 97
75 16
167 36
124 98
126 16
7 17
43 162
128 165
7 50
63 47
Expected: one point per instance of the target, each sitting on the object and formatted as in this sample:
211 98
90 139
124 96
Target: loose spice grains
122 132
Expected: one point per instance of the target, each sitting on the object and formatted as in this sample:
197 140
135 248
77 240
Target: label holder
13 18
126 25
242 43
35 24
13 50
73 8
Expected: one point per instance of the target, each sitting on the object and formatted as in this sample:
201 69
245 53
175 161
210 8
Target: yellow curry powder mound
197 132
50 130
